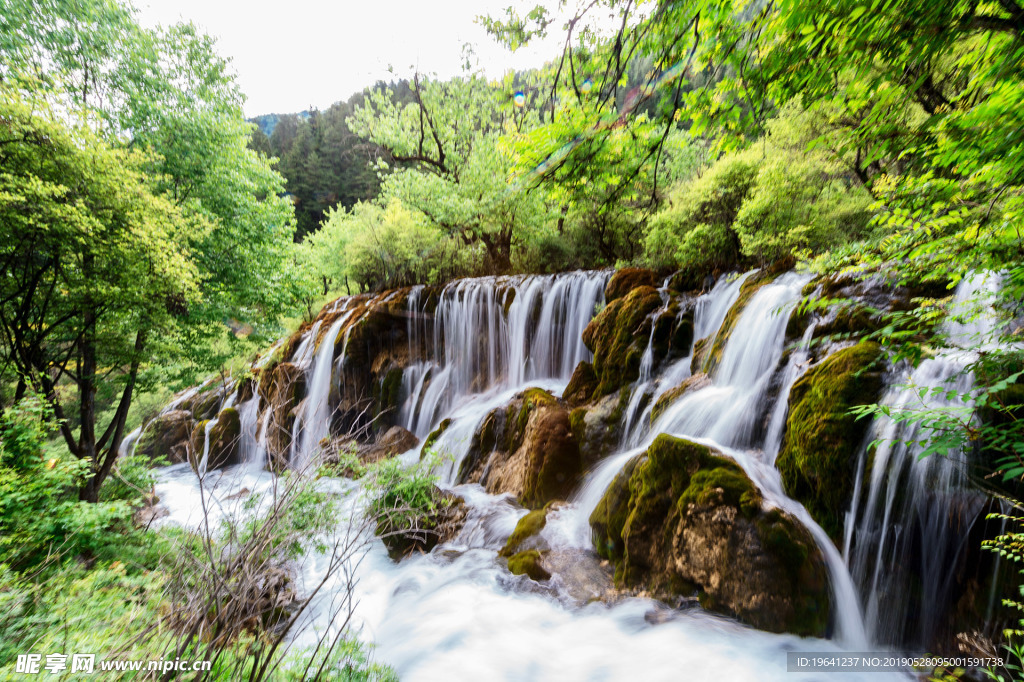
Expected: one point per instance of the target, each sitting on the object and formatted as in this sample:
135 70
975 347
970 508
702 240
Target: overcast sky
293 54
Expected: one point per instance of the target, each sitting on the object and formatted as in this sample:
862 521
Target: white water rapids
457 613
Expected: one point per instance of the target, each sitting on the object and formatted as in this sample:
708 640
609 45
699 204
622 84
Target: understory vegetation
98 577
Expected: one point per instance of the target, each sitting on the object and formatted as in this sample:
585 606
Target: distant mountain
267 122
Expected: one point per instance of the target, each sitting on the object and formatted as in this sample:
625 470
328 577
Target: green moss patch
528 563
818 457
528 526
618 338
581 386
625 280
682 520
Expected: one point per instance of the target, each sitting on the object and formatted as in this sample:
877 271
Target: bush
696 230
41 518
376 247
402 499
764 203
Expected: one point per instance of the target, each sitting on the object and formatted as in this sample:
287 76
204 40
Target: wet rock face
862 300
375 344
818 459
167 436
284 391
527 449
694 382
597 427
681 520
618 337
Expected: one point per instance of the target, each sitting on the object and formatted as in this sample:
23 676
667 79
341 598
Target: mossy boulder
224 440
818 459
625 280
438 525
681 520
528 563
581 386
527 528
690 280
525 448
618 337
597 428
167 435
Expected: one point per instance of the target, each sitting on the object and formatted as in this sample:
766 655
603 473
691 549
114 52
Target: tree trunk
87 393
499 250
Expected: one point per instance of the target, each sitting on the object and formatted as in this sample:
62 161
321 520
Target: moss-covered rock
625 280
428 442
690 280
440 525
221 444
528 527
682 520
525 448
167 435
691 383
819 452
597 428
618 337
528 563
581 386
225 439
197 441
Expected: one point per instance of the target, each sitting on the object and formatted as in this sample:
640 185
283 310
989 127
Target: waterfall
127 447
476 343
729 410
726 415
228 401
479 347
251 449
709 311
313 423
909 518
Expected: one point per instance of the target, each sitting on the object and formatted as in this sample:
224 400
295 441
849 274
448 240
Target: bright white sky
293 54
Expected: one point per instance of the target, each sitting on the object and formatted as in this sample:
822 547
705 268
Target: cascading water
478 347
730 409
251 449
709 311
228 402
459 612
314 421
910 518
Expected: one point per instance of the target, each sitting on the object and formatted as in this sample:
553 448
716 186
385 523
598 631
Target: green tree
96 268
454 162
168 98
